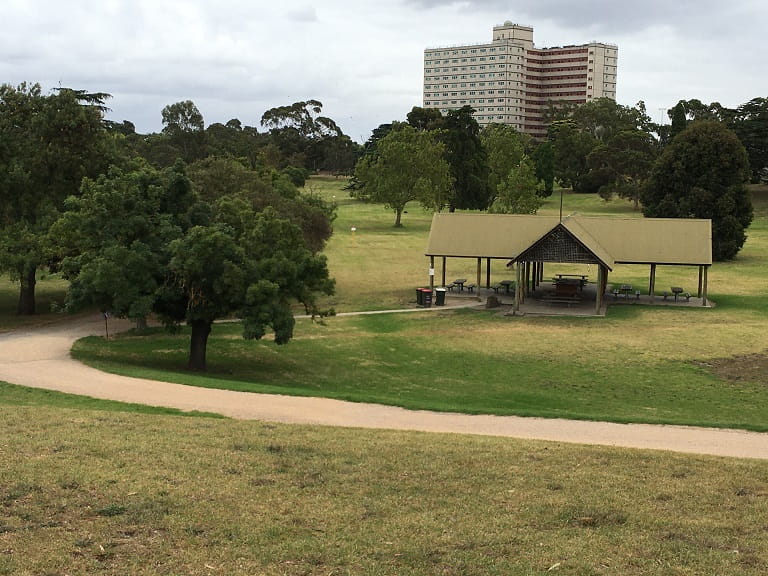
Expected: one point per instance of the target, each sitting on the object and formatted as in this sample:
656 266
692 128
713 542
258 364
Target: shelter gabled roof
609 239
568 242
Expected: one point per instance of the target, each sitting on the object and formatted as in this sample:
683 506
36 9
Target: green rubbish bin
419 297
440 296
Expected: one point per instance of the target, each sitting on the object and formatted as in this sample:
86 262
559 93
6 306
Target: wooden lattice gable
561 245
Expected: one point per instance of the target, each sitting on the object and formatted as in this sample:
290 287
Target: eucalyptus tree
184 126
625 162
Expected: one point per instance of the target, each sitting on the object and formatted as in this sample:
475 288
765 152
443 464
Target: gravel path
40 358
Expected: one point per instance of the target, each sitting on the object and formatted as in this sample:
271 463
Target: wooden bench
470 287
686 295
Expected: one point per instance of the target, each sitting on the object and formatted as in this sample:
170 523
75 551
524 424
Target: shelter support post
528 277
652 284
487 273
704 287
479 273
600 295
701 279
519 286
432 272
443 271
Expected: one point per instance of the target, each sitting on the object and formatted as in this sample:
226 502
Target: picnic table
581 277
458 283
507 285
676 291
624 291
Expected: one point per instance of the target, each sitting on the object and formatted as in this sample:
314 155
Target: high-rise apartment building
510 81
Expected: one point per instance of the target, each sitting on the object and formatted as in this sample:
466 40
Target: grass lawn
86 492
49 295
649 370
12 395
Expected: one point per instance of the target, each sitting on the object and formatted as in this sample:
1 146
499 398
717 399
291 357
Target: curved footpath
40 358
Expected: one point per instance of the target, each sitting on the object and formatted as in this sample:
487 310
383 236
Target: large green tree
425 118
141 241
254 268
184 126
219 180
303 135
702 174
407 165
112 239
467 160
48 144
571 146
626 161
750 122
504 147
576 131
233 140
518 193
543 157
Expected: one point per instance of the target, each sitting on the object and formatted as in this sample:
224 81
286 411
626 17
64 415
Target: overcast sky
363 59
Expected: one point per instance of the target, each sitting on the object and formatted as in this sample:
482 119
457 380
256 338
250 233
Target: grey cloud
600 16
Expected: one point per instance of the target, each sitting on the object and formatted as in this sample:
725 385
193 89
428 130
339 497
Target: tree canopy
504 148
467 160
48 144
702 174
625 163
142 241
407 165
518 193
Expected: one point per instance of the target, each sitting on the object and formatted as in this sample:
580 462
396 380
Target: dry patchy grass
95 493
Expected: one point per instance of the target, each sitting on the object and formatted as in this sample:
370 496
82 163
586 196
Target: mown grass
634 366
105 493
13 395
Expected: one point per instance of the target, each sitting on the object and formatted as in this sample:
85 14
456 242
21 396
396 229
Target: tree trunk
398 215
141 324
198 343
27 292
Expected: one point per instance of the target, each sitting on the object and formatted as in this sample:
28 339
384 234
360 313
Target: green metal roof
610 239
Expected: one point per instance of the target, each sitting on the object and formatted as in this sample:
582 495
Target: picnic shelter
528 242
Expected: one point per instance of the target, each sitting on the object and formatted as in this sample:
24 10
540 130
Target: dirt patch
747 368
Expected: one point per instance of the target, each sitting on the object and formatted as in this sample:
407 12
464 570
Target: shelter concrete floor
537 303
